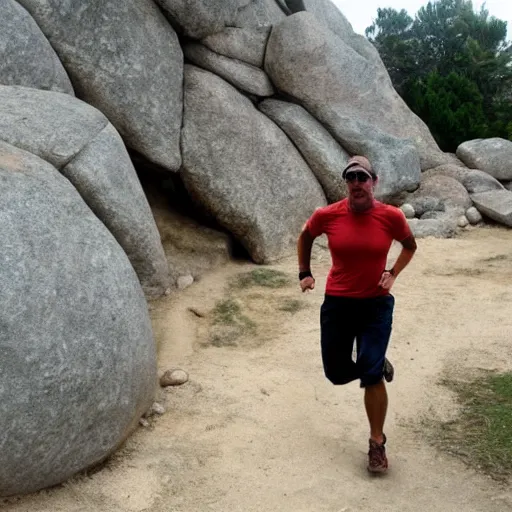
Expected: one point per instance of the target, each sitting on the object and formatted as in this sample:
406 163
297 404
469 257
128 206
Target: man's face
360 185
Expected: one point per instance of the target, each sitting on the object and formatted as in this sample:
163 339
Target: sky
361 13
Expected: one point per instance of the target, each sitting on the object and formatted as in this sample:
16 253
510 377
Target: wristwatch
391 271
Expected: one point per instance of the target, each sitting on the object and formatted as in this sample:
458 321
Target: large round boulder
493 156
324 155
496 205
245 44
243 76
28 59
243 169
79 141
329 15
440 189
200 18
125 59
78 363
350 95
474 181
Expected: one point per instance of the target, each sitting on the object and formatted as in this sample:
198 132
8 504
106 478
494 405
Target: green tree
449 45
390 34
452 107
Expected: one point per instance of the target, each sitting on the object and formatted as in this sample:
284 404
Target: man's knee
369 381
372 373
340 375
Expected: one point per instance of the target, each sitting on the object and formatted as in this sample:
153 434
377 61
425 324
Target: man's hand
387 280
308 283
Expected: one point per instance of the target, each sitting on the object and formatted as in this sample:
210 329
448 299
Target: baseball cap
360 163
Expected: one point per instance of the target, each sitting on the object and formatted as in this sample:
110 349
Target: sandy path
259 428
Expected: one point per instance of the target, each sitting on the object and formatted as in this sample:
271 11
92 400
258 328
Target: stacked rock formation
254 106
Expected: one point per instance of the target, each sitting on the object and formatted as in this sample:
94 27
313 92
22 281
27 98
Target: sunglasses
360 176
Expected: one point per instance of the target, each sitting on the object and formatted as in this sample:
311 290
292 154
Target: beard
360 201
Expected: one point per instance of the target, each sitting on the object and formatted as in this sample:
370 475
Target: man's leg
337 341
376 404
372 345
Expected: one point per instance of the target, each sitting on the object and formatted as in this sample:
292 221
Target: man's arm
304 246
408 249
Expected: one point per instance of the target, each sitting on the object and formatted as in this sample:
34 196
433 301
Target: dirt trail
259 428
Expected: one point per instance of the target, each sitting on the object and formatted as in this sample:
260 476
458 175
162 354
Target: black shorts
368 322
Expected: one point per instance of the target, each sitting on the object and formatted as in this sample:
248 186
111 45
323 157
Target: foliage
453 67
452 107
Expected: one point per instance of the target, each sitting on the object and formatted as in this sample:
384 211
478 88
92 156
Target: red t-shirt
359 244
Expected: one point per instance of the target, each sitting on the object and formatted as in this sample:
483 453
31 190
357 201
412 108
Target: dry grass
263 277
291 305
253 305
230 324
482 433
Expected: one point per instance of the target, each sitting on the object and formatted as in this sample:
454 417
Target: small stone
174 377
157 408
408 211
185 281
144 423
462 221
473 215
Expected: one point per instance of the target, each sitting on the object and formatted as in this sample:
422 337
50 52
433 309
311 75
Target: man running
358 305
